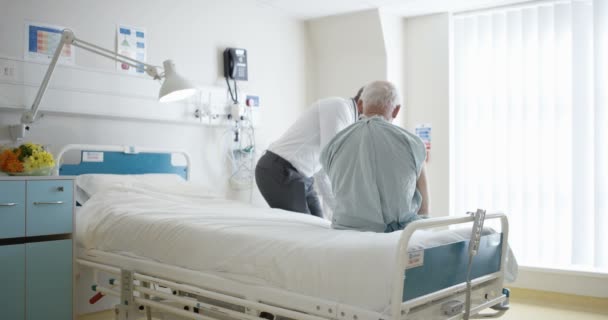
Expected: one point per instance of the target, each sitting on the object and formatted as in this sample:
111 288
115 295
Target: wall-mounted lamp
173 88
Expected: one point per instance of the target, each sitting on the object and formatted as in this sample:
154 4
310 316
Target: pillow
90 184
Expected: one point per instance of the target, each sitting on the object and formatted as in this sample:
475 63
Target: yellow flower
39 160
27 157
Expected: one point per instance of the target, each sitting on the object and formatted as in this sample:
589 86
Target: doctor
284 174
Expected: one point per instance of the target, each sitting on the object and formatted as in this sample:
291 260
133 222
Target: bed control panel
479 218
127 304
126 293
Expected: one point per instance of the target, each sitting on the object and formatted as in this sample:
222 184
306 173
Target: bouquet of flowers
27 159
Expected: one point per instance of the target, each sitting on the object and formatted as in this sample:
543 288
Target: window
530 127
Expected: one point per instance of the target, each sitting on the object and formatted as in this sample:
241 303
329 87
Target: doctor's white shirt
302 143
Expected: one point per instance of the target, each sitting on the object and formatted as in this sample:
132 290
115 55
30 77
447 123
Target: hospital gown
373 167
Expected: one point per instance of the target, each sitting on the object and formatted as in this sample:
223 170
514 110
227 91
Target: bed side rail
402 253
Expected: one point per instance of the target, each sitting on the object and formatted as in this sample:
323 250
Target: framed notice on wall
131 42
41 41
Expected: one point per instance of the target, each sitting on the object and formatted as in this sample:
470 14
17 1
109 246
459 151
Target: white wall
393 32
348 51
427 96
191 32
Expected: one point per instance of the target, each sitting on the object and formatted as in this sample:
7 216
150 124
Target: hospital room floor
525 305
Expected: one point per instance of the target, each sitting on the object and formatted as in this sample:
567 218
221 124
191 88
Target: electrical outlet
8 70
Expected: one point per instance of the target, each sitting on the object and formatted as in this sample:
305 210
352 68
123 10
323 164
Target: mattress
184 226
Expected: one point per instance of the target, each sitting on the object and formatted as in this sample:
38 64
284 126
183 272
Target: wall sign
41 41
131 42
424 132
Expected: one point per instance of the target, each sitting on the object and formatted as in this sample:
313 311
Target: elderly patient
376 169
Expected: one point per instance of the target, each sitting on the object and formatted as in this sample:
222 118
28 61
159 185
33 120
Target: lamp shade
175 87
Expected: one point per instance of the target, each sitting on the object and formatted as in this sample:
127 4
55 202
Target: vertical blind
529 127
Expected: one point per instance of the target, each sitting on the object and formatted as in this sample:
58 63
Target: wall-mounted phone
235 64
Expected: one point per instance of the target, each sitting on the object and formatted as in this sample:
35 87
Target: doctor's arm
332 119
423 187
323 185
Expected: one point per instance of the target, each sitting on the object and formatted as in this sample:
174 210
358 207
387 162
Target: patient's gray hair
380 97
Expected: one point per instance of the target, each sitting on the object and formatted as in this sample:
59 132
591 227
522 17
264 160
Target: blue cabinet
36 255
12 209
12 278
49 207
49 280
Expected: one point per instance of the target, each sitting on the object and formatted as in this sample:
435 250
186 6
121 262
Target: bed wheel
266 315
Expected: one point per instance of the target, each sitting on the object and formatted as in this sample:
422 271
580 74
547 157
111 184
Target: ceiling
310 9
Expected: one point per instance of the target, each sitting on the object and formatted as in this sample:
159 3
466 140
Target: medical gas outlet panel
212 108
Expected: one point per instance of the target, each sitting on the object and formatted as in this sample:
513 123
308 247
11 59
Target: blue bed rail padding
446 265
126 163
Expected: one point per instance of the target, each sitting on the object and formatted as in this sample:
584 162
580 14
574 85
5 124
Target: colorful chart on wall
41 41
131 42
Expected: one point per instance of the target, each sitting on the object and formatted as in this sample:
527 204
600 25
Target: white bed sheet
185 226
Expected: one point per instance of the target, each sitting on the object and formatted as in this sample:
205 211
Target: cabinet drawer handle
8 204
47 202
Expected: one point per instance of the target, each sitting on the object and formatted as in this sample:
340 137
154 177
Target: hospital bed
171 247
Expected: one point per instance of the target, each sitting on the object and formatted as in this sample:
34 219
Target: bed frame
144 286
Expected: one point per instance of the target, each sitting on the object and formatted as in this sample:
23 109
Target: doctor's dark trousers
283 187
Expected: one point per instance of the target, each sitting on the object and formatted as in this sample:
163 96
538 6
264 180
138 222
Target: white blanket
185 226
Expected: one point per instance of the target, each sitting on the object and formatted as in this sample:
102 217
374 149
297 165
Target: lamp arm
68 37
29 116
150 69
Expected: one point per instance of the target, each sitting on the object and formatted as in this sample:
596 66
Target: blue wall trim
126 163
446 266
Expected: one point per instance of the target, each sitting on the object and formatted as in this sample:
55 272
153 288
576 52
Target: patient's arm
423 187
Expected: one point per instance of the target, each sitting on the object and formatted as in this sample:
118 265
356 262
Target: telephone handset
235 64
